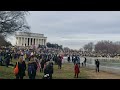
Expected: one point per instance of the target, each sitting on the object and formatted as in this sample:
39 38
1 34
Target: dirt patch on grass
101 75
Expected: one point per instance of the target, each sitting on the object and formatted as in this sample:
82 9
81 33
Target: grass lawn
67 72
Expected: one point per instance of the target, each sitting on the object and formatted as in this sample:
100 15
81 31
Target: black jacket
21 67
35 67
49 69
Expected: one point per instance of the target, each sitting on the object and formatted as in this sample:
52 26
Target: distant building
29 39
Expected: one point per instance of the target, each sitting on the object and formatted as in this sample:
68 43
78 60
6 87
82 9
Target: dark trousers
97 68
7 64
59 66
0 63
31 77
19 77
76 74
50 76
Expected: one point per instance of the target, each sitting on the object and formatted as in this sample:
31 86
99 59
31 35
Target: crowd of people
37 59
91 53
40 59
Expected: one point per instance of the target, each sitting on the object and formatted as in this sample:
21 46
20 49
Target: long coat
76 69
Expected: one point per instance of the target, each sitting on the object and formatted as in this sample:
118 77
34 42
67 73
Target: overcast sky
75 28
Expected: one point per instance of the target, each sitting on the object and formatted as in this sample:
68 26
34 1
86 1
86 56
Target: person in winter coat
97 65
24 65
76 70
21 68
48 70
85 61
1 61
42 65
69 58
32 68
59 62
78 60
7 59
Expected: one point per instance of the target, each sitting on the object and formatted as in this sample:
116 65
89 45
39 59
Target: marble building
29 39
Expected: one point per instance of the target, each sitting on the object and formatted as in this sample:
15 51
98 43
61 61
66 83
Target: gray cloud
82 26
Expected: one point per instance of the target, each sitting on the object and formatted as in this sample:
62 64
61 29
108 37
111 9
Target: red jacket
76 69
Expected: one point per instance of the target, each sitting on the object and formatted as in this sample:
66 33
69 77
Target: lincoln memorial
28 39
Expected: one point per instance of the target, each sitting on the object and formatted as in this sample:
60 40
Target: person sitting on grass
76 70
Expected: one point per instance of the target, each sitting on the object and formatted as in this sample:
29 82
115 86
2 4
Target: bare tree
3 41
12 21
107 47
88 47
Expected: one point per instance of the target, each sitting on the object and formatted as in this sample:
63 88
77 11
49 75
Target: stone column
24 41
32 41
27 42
38 42
42 42
18 41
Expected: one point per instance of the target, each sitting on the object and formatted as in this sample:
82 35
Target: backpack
16 70
31 69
